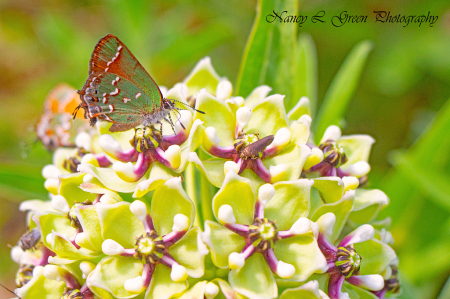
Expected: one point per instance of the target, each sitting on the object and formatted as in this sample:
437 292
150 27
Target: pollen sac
149 248
72 294
348 261
251 146
263 234
333 153
71 163
146 138
24 275
30 239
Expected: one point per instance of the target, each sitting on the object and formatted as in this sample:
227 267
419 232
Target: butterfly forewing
118 89
112 56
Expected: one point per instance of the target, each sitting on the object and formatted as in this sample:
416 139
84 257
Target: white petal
52 272
107 199
230 166
315 158
282 138
134 285
224 90
139 209
373 282
326 223
50 171
109 144
211 136
83 139
111 247
16 253
350 182
211 290
243 115
60 204
363 233
285 270
331 133
277 172
358 169
301 226
236 260
226 214
173 155
178 273
180 223
265 193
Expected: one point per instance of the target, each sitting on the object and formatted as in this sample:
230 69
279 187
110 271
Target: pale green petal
227 291
190 252
168 200
62 154
341 209
290 202
50 221
41 287
162 286
357 293
70 188
331 189
109 178
66 250
158 175
376 256
202 76
356 148
367 205
122 137
258 95
119 224
267 117
303 253
237 192
213 169
255 279
217 115
309 290
196 292
221 241
111 273
302 107
300 132
95 186
87 215
293 157
253 177
195 139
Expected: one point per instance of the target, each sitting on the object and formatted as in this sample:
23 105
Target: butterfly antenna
187 105
178 118
74 114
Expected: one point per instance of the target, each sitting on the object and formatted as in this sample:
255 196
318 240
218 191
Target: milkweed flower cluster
236 203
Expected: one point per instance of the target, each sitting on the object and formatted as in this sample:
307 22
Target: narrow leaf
342 88
305 76
253 66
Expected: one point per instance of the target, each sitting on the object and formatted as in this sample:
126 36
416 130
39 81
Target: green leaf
168 200
285 44
305 71
342 88
255 279
253 68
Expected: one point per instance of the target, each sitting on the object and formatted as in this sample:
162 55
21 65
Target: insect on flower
119 90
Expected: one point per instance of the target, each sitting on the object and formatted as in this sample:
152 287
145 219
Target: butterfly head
168 104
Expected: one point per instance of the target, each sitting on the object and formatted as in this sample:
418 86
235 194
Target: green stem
189 176
206 192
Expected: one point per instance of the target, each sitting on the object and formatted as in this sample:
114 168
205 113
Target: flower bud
211 290
52 185
301 226
358 169
50 171
331 133
231 166
243 115
282 138
83 139
265 193
16 253
107 199
224 90
350 183
326 223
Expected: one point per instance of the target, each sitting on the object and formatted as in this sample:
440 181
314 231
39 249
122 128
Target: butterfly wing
118 89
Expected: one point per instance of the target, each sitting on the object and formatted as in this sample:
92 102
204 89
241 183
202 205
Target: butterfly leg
171 123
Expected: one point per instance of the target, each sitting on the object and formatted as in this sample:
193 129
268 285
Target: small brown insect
30 239
255 149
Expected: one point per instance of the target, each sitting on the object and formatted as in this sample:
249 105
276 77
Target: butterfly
119 90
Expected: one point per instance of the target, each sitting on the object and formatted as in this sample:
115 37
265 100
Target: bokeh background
401 100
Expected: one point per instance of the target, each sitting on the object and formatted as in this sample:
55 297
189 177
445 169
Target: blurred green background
401 99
